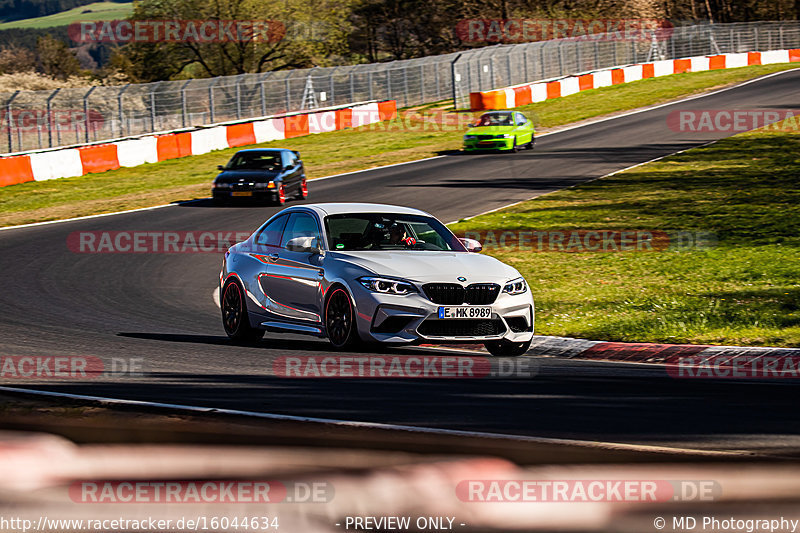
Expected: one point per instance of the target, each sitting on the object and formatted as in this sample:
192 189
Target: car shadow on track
271 343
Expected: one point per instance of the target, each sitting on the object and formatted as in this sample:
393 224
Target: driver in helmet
398 235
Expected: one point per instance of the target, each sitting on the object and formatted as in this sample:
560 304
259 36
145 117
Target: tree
16 59
55 59
302 33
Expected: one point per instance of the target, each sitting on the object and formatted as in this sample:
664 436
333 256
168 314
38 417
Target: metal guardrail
41 119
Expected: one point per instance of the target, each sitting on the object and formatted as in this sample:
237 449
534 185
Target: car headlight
387 286
469 137
504 136
515 286
222 185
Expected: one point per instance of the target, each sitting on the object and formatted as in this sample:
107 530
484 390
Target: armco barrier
80 160
510 97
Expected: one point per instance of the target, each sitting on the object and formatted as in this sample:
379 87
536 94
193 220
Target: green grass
328 153
743 291
89 12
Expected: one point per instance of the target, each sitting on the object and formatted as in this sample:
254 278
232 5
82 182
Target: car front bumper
413 319
244 194
489 144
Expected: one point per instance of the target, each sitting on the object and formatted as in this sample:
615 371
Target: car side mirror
220 167
470 125
471 245
304 245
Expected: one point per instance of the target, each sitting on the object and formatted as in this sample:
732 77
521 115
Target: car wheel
280 195
515 148
504 348
530 144
340 323
220 200
302 190
234 315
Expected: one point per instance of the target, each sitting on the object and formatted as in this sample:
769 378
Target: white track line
377 425
568 128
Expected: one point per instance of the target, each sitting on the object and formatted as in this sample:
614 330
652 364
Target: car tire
220 200
234 315
531 143
504 348
302 190
280 195
340 319
515 147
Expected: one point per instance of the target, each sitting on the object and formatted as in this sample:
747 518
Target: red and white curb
528 93
719 361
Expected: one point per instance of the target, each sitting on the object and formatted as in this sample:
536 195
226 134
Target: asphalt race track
159 307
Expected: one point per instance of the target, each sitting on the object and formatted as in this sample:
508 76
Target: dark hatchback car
261 174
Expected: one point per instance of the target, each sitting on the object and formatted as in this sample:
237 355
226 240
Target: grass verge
745 290
331 153
89 12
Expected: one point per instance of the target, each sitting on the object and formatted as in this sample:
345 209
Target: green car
500 130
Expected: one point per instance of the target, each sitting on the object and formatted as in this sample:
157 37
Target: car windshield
255 161
389 231
495 119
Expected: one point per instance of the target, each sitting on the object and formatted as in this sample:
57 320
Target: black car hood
233 176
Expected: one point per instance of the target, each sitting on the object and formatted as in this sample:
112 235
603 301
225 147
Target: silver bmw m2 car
356 272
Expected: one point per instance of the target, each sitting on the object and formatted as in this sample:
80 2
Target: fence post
541 60
369 84
263 94
330 77
352 88
288 94
239 97
438 87
120 113
10 120
560 59
86 112
183 103
455 78
211 100
405 85
525 62
596 55
50 121
422 82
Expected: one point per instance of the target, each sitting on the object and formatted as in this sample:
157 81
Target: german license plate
465 312
242 193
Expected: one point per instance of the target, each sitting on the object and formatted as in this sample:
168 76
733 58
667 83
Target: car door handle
273 257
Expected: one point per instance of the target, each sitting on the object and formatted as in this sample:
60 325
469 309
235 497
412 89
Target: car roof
340 208
251 150
499 113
